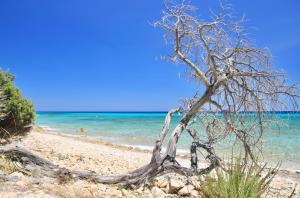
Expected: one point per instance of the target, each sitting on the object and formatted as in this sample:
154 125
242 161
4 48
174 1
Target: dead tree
240 91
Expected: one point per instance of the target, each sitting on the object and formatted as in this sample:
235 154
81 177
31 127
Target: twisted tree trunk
159 164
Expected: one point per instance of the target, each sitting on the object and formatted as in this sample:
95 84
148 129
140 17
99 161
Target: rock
166 190
63 157
186 190
17 174
60 156
125 192
170 196
196 184
157 192
20 183
39 193
36 172
79 183
140 190
174 186
161 182
146 196
3 141
195 193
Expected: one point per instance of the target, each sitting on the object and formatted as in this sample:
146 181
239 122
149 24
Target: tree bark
159 163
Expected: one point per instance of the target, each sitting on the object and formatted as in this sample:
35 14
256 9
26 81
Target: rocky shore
104 158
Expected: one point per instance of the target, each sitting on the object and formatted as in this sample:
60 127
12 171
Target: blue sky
97 55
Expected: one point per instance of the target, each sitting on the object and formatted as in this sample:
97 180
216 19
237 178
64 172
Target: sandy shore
79 153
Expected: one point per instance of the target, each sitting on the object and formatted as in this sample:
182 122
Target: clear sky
98 55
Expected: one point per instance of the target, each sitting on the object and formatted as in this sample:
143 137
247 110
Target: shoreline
101 140
79 153
182 153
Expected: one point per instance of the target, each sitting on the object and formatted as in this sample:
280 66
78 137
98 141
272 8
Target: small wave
150 148
48 128
143 147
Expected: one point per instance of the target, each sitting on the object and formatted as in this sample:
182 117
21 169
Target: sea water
142 129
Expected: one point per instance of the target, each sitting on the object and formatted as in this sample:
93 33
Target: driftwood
29 163
236 78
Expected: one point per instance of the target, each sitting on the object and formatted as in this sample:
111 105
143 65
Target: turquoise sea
142 128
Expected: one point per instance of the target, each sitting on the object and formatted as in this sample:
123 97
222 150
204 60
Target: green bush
16 113
239 180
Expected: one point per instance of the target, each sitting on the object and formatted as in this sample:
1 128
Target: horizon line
85 111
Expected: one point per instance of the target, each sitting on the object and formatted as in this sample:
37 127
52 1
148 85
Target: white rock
20 183
139 190
17 174
195 193
166 190
157 192
175 185
186 190
79 183
196 184
170 196
161 182
124 192
146 196
3 141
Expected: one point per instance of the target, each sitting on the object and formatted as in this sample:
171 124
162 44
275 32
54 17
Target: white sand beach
79 153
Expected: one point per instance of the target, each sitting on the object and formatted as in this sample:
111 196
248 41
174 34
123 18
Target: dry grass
239 180
6 165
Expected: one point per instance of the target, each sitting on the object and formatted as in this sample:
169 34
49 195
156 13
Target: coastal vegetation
16 113
238 180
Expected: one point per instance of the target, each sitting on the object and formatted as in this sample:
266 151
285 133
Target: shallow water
141 129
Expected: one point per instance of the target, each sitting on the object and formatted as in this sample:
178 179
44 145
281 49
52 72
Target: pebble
186 190
124 192
196 184
161 182
195 193
157 192
174 186
17 174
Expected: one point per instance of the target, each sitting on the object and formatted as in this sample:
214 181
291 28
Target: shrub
239 180
16 113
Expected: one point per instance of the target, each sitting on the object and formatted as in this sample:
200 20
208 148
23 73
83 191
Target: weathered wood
30 162
159 164
171 147
158 144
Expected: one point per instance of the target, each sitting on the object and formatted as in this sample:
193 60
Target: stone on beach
174 186
195 182
186 190
157 192
161 182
